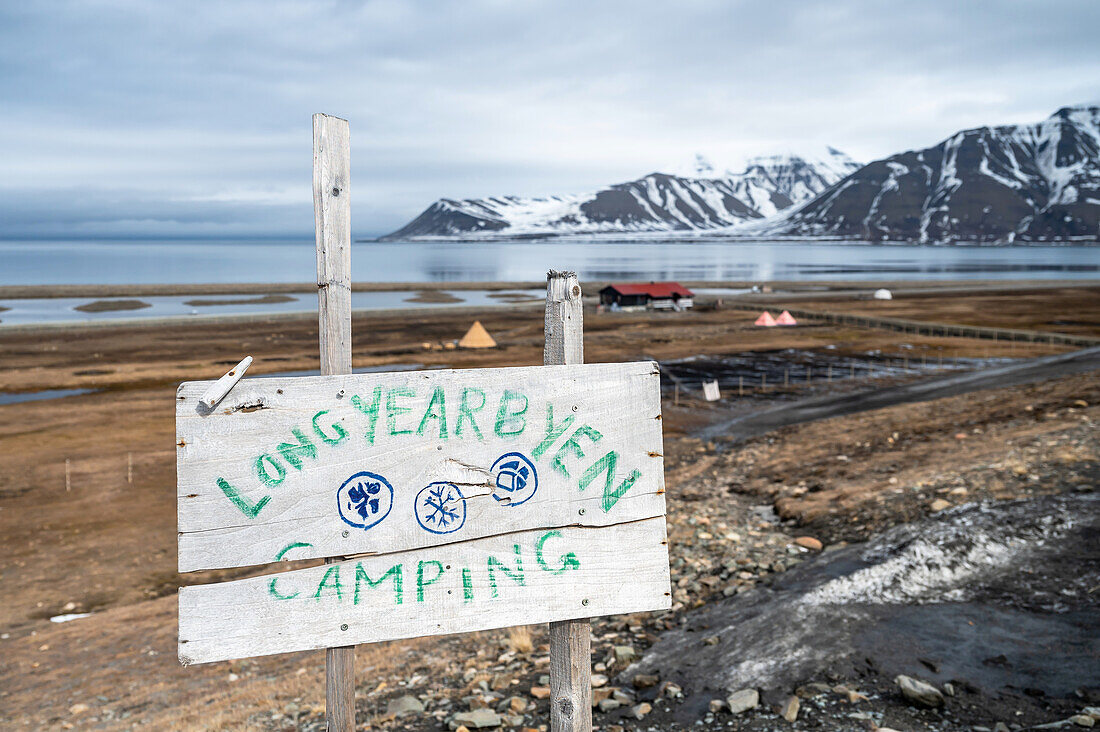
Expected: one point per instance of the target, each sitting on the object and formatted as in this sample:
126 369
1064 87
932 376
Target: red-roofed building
652 296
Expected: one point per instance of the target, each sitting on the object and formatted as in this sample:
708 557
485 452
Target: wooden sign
485 498
385 462
513 579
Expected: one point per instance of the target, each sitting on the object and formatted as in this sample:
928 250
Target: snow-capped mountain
658 202
1035 182
771 184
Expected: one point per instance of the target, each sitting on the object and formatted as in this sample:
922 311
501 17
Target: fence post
786 377
740 386
68 483
332 217
570 640
129 467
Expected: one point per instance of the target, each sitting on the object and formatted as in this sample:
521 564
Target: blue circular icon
514 479
440 508
364 500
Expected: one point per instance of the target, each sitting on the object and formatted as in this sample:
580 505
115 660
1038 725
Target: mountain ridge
657 202
1036 182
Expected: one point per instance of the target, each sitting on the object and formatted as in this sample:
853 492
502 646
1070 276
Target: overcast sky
193 119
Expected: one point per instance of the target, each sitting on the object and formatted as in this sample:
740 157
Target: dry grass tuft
520 639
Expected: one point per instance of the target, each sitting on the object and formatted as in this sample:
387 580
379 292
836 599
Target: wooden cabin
652 296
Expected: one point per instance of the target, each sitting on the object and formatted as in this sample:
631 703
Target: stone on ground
808 542
919 692
477 719
743 700
789 709
403 705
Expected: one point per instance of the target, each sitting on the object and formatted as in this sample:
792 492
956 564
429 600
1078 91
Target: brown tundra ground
106 546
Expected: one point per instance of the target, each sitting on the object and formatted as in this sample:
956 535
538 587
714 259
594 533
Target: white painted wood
222 386
332 216
228 517
711 392
570 639
583 571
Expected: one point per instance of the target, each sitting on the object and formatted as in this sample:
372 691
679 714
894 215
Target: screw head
344 626
344 533
336 191
584 601
575 407
581 512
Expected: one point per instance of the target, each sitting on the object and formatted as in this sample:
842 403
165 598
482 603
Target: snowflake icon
440 508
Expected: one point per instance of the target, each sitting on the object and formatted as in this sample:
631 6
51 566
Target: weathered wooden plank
514 579
570 640
222 386
338 462
332 215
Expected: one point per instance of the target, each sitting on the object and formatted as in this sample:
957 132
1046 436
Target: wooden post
570 640
129 467
332 216
829 374
786 377
68 483
740 386
763 381
676 395
853 370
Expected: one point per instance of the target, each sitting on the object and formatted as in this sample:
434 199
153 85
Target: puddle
361 370
17 397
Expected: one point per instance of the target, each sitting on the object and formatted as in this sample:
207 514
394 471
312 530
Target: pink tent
785 318
765 319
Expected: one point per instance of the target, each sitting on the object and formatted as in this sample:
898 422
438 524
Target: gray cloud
174 119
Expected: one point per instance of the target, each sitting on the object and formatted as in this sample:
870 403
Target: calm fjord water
207 261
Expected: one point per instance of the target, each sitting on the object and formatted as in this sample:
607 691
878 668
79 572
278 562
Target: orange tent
477 337
785 318
765 319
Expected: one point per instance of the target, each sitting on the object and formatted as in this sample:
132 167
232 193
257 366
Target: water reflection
294 261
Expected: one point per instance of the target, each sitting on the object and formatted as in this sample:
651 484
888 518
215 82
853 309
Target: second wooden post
570 640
